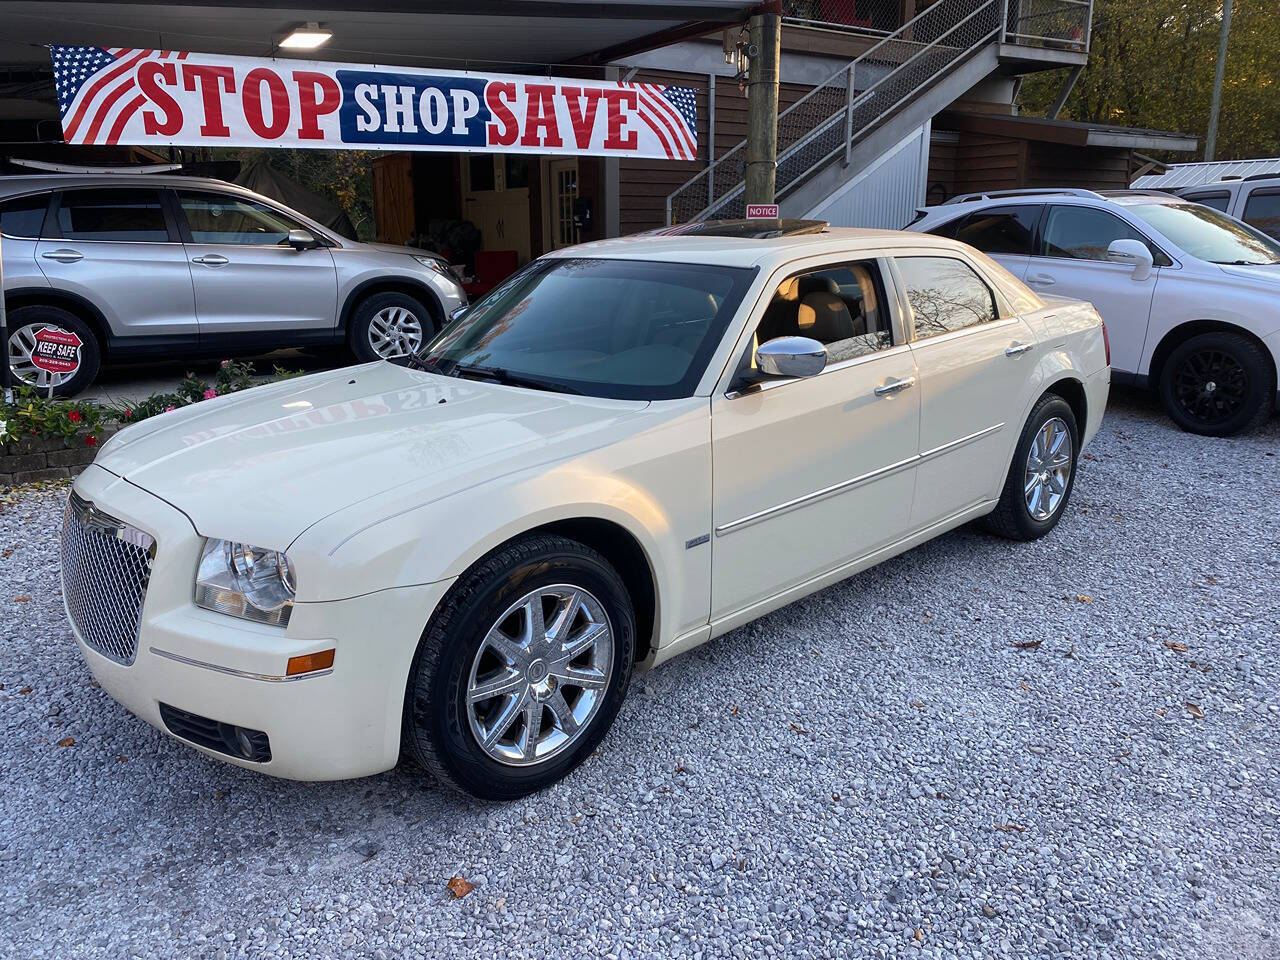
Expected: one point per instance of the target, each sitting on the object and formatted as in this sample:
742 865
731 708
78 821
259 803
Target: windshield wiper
416 362
507 378
1247 263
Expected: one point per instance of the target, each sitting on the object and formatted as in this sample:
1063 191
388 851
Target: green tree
1151 65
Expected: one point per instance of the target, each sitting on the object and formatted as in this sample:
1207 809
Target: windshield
1208 234
629 329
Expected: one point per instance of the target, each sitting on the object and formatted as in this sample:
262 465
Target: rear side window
1007 230
945 295
1219 201
22 217
1262 212
123 215
1084 233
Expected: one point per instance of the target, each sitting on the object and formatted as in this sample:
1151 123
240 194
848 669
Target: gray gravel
875 771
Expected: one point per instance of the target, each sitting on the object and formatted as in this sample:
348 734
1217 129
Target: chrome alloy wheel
22 343
395 332
540 675
1048 469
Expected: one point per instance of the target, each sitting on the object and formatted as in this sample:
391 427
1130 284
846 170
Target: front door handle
893 385
211 260
1016 349
1042 280
64 255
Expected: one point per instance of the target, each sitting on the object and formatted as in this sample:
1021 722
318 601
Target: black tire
437 728
1012 517
24 322
1218 384
362 318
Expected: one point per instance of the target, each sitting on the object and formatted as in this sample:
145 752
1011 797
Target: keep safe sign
111 95
56 350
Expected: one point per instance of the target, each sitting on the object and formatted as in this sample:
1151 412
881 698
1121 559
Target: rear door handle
211 260
64 255
1017 349
893 385
1042 280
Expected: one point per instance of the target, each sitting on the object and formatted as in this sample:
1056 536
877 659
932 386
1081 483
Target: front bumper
333 724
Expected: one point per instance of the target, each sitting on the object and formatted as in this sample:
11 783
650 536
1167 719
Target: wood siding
393 197
978 162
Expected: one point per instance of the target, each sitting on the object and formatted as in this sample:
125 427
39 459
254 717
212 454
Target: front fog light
245 581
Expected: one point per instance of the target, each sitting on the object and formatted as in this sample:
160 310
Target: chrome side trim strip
961 442
244 674
816 495
844 485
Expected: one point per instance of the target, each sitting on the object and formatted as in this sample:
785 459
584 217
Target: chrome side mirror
1135 254
302 240
791 357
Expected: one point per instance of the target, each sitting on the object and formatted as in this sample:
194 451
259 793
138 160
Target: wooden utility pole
1211 139
762 107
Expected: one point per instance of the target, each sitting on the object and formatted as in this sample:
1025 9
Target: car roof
1102 198
30 183
725 250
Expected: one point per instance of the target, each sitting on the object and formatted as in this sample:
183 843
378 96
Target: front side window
843 308
1218 201
22 217
121 214
945 295
223 218
1208 234
629 329
1084 233
999 230
1262 212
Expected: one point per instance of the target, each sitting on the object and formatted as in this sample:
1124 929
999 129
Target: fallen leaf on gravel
459 887
1175 646
798 729
6 553
1027 644
25 598
1195 711
1010 827
1090 456
919 935
734 711
67 742
1211 579
24 691
1162 711
987 910
1083 598
122 759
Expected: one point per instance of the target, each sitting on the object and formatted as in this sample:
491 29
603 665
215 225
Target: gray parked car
123 267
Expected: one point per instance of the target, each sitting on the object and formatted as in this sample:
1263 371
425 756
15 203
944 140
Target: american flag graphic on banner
118 95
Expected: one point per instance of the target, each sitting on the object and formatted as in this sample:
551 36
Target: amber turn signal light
309 663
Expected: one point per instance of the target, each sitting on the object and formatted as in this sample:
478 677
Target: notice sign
56 351
111 95
762 211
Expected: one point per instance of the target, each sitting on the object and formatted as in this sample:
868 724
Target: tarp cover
260 177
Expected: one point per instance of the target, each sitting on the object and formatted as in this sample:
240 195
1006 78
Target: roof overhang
1066 132
480 34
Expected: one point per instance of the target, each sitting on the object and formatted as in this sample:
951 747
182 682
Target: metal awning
1066 132
1194 174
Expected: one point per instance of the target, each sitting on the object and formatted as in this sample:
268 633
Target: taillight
1106 340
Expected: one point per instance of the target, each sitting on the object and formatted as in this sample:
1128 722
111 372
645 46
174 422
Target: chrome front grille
106 565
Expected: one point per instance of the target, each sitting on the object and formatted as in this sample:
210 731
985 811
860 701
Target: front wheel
1042 475
1217 384
521 670
390 326
51 348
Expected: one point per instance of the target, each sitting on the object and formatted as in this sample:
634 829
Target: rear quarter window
22 217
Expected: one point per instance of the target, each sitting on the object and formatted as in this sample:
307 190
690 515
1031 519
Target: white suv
1190 296
1255 200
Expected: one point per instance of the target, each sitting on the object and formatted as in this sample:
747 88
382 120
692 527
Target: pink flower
225 364
210 393
169 409
91 441
74 416
128 414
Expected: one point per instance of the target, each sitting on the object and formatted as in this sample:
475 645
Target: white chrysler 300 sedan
628 448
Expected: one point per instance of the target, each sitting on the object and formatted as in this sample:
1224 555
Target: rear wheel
28 326
1217 384
390 326
522 669
1042 475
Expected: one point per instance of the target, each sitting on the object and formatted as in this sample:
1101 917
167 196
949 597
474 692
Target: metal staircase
859 111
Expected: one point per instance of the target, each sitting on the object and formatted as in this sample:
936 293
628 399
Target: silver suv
123 267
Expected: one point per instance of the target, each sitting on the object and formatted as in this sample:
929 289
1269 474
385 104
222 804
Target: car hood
264 464
1268 272
395 248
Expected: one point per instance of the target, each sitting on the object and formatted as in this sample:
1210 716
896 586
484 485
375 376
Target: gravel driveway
979 749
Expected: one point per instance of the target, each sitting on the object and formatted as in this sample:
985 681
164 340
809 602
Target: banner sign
110 95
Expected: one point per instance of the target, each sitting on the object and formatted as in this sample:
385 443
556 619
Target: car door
1004 233
810 474
973 357
116 248
1071 261
248 280
1261 210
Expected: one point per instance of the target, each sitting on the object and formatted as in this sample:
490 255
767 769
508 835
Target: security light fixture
306 37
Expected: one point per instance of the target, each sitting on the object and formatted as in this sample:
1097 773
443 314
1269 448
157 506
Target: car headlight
244 581
438 266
